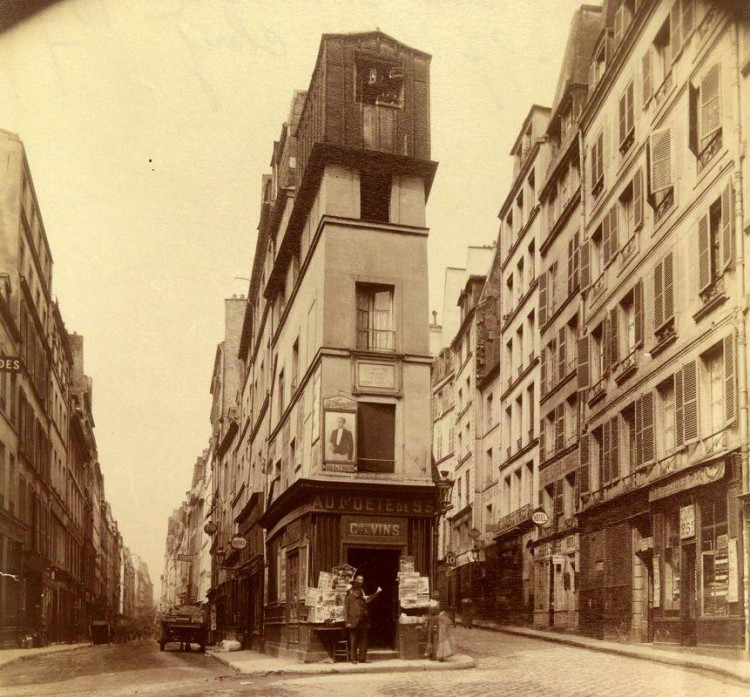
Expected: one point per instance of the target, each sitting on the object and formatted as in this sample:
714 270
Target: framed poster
340 429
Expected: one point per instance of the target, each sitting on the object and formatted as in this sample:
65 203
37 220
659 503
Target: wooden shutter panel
638 199
613 336
647 426
690 400
558 498
727 226
658 296
594 163
542 439
543 369
606 358
559 427
693 119
614 243
542 299
710 102
604 463
614 447
730 382
638 413
675 35
638 311
679 410
704 254
668 278
661 159
584 376
623 115
600 154
688 14
576 260
585 265
646 65
605 238
630 107
571 284
583 467
561 358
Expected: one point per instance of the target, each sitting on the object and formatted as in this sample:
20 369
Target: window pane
376 434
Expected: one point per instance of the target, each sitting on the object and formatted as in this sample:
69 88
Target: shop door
688 597
380 568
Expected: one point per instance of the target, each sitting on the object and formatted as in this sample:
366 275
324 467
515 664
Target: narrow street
506 665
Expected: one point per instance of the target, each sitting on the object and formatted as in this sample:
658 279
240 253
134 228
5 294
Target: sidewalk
735 668
259 664
10 655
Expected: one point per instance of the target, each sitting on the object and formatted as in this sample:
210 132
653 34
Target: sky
148 125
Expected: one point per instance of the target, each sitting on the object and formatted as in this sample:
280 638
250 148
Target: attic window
380 83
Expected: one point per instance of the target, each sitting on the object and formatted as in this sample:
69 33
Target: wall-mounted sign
379 529
185 557
340 428
238 542
539 518
450 558
348 503
513 520
687 521
9 364
379 376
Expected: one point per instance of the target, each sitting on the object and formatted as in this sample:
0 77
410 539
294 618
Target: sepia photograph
374 347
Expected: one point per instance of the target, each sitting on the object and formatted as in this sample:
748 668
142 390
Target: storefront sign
687 521
346 503
697 477
450 558
9 364
361 529
539 518
381 376
513 520
238 542
733 595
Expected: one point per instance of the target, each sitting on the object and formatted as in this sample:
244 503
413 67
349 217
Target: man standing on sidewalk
356 616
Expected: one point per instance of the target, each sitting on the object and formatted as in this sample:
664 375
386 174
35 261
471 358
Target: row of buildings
590 399
62 556
584 399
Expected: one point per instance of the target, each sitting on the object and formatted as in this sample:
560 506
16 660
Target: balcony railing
597 286
710 148
628 249
376 339
714 290
663 89
663 202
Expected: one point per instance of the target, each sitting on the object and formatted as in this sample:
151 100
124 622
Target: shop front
315 528
697 557
556 565
250 575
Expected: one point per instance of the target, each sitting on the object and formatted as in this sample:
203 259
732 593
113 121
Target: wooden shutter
675 35
629 109
727 226
561 358
559 427
606 247
614 448
542 299
584 376
638 199
600 154
690 400
647 426
710 101
688 14
558 498
543 369
693 119
583 467
606 358
679 410
594 163
542 439
638 414
646 65
730 381
623 115
668 278
576 260
638 311
704 254
613 336
585 265
571 267
658 296
614 243
660 143
604 462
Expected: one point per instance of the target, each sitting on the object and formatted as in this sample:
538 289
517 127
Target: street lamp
443 488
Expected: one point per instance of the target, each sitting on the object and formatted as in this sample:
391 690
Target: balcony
663 202
663 90
626 367
710 148
376 340
598 390
628 249
597 287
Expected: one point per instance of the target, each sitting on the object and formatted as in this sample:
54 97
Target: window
379 82
295 364
672 562
662 179
666 417
281 393
715 243
623 18
626 119
719 383
376 437
644 429
597 165
609 458
705 116
375 317
574 261
715 542
661 63
664 297
584 481
375 195
490 415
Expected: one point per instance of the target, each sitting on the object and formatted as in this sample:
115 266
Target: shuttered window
644 429
664 292
614 353
715 239
614 448
660 147
573 264
675 35
647 76
543 370
559 427
585 265
638 312
584 483
710 104
597 164
542 299
730 380
558 498
561 357
687 19
689 398
626 122
584 372
638 199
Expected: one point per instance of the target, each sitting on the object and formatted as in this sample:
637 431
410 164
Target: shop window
375 195
715 596
376 435
375 317
671 580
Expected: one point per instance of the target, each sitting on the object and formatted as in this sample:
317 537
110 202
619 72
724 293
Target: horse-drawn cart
184 628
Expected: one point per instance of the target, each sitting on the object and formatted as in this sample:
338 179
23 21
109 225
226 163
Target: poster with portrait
340 430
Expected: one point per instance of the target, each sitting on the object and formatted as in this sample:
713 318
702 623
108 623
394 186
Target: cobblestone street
506 665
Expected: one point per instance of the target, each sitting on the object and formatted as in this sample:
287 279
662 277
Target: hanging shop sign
513 520
539 518
376 529
238 542
9 364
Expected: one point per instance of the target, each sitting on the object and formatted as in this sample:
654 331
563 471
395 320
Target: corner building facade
335 422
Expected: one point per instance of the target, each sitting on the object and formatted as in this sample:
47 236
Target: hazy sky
148 125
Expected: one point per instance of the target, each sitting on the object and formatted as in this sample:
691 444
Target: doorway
379 566
688 596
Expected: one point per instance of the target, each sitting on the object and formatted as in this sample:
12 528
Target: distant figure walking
467 612
444 636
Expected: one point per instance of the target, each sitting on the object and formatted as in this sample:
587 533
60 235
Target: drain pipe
741 309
